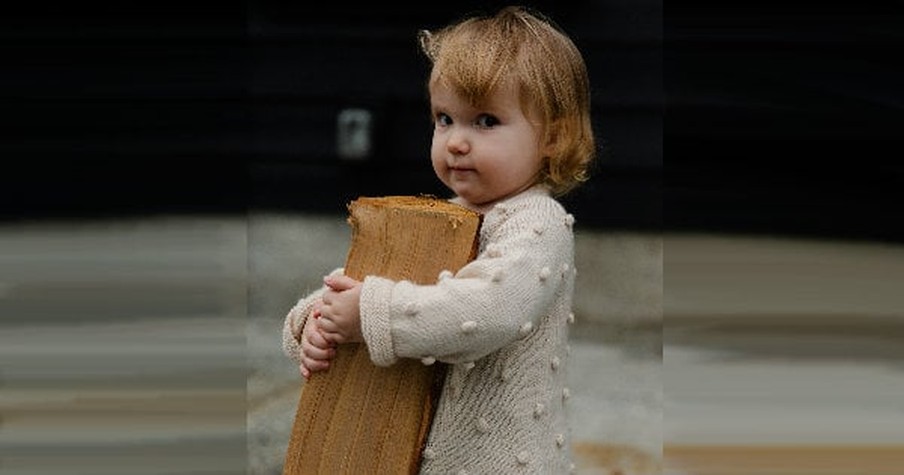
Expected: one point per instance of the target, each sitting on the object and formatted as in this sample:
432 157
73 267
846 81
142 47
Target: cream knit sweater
501 322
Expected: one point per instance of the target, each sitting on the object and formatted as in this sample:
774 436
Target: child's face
485 154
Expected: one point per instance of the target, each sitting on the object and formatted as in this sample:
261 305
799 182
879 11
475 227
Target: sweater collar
536 190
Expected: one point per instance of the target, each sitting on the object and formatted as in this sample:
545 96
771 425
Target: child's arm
500 297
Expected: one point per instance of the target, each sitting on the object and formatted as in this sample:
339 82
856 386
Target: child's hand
340 315
316 351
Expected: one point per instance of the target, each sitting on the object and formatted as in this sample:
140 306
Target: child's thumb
339 283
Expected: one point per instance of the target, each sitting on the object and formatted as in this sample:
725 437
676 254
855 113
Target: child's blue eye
443 119
487 121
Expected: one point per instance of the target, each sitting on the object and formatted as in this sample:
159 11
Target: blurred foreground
153 346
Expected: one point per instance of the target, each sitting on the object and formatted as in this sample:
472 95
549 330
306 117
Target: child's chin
468 195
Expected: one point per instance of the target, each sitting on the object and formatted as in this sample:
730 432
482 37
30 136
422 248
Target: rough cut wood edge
358 417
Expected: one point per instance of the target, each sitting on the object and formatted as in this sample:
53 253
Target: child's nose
458 142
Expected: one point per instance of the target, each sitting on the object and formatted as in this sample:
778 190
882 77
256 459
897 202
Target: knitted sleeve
295 320
527 248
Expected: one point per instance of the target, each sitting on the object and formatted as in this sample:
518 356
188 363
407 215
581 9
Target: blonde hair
480 54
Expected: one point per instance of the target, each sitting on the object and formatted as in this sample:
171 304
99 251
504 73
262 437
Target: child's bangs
474 64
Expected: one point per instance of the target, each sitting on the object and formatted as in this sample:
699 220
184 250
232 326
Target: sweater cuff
376 322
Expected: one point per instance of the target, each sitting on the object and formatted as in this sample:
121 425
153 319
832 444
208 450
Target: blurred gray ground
153 345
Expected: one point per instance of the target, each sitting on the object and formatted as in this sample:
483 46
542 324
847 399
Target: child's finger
316 353
316 338
314 366
331 334
333 338
339 282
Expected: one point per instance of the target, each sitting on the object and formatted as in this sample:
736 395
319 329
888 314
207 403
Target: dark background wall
750 118
785 117
310 66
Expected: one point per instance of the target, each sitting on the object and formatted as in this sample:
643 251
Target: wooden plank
357 417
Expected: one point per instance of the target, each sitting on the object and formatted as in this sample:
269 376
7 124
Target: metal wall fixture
354 134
